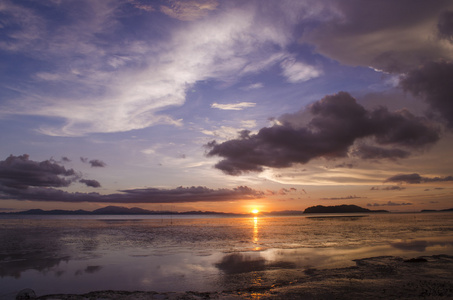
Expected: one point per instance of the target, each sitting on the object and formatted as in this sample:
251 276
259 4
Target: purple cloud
338 121
415 178
147 195
20 172
97 163
433 83
90 182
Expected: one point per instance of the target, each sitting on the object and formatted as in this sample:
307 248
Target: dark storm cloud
415 178
373 152
338 122
433 82
445 25
90 182
394 36
65 159
19 172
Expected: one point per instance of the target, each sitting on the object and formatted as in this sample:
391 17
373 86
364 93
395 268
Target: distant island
433 210
320 209
120 210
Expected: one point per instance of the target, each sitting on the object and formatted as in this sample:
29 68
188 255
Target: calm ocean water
73 254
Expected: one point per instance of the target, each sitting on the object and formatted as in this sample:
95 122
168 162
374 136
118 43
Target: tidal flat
116 257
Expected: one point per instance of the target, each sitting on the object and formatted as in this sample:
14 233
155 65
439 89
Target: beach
387 277
375 256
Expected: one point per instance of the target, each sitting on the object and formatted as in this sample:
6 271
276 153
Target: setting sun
255 211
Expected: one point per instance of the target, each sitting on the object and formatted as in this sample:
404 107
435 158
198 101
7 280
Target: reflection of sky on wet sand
75 256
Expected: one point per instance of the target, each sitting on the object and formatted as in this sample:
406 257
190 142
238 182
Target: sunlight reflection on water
207 254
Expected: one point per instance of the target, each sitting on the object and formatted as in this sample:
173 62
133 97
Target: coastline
383 277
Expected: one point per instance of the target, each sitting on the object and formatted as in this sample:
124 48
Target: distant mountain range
120 210
112 210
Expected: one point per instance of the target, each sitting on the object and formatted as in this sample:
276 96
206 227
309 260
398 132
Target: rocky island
344 208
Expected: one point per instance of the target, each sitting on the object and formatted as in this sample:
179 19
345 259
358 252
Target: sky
226 105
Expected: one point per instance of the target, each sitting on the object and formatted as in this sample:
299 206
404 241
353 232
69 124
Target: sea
79 254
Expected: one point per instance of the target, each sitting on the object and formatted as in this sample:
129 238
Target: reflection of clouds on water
92 269
203 254
243 263
419 245
14 264
240 263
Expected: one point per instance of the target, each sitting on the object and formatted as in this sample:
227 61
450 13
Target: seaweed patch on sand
384 277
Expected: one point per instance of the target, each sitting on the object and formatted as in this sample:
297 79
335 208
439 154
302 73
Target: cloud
90 182
104 79
146 195
431 82
224 132
445 25
338 121
373 152
233 106
344 198
390 203
248 123
297 71
97 163
394 36
19 172
253 86
141 6
388 188
189 10
25 179
415 178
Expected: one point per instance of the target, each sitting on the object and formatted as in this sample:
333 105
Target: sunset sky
226 105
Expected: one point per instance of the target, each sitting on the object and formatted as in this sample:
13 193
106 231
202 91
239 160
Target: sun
255 211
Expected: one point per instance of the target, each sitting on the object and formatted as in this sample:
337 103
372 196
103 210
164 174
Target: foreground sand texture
385 277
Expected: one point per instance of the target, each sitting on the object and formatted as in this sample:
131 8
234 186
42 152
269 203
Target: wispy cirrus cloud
233 106
296 71
118 82
189 10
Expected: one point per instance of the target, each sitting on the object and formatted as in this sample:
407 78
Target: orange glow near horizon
255 211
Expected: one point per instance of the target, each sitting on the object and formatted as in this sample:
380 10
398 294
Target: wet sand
385 277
